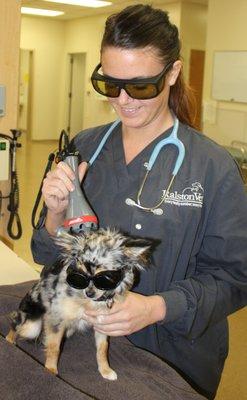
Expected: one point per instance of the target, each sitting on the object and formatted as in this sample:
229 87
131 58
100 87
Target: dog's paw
109 374
11 337
52 369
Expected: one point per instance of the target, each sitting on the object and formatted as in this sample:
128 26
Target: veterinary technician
192 200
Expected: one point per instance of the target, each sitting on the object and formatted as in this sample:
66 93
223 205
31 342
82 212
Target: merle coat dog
95 270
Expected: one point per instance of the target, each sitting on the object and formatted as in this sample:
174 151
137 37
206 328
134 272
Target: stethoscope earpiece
132 203
157 211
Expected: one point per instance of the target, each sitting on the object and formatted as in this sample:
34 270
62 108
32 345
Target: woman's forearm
53 221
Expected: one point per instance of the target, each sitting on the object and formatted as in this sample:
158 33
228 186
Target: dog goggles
141 89
105 280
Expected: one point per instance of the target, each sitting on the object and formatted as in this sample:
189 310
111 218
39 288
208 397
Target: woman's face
136 63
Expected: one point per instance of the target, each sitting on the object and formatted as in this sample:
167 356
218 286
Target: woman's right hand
56 187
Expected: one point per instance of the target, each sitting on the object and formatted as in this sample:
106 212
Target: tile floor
31 161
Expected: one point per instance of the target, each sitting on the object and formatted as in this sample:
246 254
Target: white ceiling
72 12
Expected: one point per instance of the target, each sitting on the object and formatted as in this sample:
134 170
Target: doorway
196 75
76 93
25 91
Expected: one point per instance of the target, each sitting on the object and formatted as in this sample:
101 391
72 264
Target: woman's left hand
131 315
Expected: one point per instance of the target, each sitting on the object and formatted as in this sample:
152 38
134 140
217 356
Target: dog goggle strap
105 280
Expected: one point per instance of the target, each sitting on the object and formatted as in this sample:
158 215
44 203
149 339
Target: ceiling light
82 3
42 12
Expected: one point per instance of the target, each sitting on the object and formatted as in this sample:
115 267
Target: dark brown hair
142 26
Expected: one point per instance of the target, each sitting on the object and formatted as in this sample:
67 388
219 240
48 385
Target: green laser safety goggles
137 88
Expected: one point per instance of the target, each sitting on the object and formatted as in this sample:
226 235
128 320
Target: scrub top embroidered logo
191 196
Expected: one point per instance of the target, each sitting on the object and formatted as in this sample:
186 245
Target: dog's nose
90 293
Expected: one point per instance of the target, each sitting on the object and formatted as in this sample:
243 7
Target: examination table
141 375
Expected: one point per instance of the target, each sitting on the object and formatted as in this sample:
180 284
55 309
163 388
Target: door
25 75
196 75
76 93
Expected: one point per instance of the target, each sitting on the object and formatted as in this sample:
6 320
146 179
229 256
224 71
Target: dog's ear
139 248
66 240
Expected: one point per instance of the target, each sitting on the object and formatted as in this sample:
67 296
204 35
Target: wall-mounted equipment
4 159
8 147
2 100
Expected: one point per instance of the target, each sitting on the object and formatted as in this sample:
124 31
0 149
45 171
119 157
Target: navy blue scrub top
200 265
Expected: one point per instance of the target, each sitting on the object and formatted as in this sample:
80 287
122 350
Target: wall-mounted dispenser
2 100
4 159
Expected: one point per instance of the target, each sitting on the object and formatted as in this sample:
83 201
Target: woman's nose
124 98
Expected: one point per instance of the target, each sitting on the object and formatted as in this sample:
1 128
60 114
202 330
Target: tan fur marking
11 337
53 342
104 249
102 357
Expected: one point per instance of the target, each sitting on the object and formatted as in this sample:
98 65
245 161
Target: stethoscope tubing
171 139
103 141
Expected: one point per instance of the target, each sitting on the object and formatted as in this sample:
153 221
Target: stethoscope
171 139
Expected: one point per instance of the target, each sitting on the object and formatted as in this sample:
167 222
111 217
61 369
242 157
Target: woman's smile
152 114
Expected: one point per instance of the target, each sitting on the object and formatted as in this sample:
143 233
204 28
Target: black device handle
58 156
38 198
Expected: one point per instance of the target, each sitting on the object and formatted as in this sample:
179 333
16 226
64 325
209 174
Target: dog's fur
55 308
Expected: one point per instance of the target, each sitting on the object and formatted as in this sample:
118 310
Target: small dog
95 270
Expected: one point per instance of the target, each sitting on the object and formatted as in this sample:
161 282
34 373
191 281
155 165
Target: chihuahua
95 270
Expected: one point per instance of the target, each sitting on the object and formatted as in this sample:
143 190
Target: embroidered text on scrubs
191 196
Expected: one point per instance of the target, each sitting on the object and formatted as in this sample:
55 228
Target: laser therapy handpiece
79 215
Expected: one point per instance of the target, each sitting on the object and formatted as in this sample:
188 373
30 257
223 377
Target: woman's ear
174 72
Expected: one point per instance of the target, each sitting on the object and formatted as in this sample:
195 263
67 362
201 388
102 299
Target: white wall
227 30
84 35
46 38
52 42
193 29
10 22
24 80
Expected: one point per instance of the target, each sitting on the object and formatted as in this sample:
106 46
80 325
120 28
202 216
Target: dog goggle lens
106 280
142 89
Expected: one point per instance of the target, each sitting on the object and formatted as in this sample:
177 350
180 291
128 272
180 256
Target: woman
178 309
